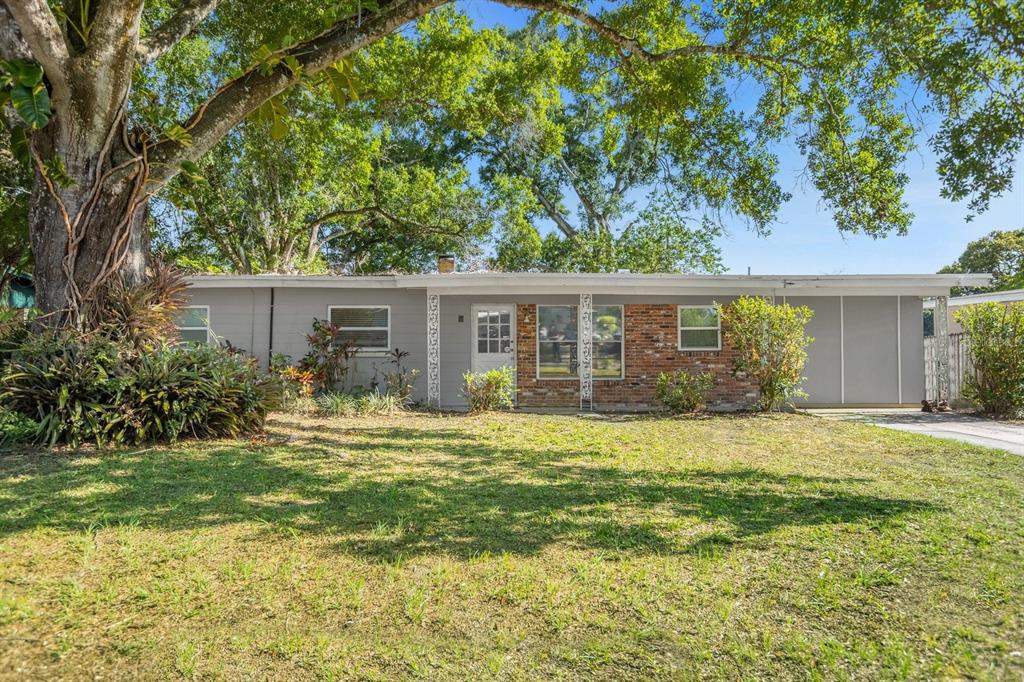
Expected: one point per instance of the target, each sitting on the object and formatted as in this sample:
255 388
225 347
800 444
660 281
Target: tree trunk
88 232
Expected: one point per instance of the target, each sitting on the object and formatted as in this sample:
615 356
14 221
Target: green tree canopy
604 109
1000 253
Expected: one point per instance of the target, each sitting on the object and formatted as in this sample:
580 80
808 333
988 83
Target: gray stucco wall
867 351
242 316
822 370
235 315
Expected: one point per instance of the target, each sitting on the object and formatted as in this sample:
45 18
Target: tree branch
41 33
549 207
237 99
632 47
171 32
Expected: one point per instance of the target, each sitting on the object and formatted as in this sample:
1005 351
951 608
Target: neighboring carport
963 427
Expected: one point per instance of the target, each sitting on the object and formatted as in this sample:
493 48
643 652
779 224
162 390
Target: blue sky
805 239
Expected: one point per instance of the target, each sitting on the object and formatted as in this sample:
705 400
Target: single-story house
580 341
957 302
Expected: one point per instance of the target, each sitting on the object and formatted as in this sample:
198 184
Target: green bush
491 390
682 392
996 335
88 389
15 428
772 346
367 404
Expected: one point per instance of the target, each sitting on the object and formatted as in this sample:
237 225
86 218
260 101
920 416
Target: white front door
494 336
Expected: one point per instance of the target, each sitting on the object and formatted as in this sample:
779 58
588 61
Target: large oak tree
829 74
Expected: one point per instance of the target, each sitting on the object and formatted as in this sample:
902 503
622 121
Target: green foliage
16 428
15 190
327 359
21 83
771 343
996 335
142 315
348 192
373 403
399 381
681 392
490 390
1000 253
93 390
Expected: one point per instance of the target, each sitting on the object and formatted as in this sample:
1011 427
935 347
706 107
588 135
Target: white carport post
940 320
585 342
433 349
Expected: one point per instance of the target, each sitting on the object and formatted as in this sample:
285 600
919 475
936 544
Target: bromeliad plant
772 346
399 381
81 389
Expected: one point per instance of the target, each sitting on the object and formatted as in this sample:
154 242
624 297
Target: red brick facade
651 347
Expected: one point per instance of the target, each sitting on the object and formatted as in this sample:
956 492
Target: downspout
252 322
270 341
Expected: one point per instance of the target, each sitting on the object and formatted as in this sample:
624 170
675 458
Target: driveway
961 427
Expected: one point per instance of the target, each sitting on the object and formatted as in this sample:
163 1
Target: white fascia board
615 283
291 281
995 296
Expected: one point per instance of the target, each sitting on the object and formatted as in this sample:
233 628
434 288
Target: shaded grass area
517 547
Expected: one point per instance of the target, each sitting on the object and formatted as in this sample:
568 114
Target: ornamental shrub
14 428
681 392
491 390
90 389
367 404
996 335
772 346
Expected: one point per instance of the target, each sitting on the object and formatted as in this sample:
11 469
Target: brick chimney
446 263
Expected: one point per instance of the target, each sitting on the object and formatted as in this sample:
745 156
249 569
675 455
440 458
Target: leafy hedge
996 335
681 392
104 392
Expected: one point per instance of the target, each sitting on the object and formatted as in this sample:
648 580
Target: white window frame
367 350
622 343
537 341
680 328
208 328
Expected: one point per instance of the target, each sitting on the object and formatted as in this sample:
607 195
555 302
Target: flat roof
615 282
993 296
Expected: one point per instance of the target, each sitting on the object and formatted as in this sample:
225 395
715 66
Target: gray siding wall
242 316
869 351
234 316
823 370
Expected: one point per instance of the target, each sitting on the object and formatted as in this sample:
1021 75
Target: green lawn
517 547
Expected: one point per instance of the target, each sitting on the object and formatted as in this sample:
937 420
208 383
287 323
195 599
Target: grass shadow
400 491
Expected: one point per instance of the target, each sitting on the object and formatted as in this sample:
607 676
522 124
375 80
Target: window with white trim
557 347
364 328
607 342
193 324
700 327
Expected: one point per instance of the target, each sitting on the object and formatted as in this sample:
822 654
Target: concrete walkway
962 427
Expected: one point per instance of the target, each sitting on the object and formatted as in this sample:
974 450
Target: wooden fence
960 364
